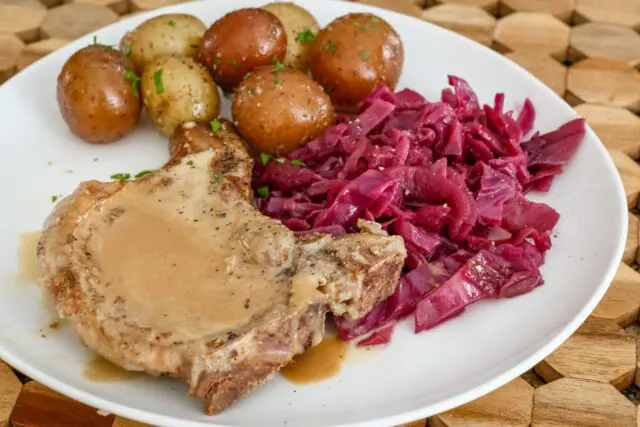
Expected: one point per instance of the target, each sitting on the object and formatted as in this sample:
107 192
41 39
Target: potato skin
174 33
301 28
175 90
239 42
278 111
95 99
353 55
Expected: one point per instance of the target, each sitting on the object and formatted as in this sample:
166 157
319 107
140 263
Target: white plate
417 375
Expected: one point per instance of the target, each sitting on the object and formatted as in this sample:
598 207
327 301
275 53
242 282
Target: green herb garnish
251 91
263 192
193 45
217 60
104 46
264 158
330 46
134 79
375 19
217 176
171 24
245 77
298 163
215 125
360 27
306 36
121 176
141 174
190 163
126 49
157 77
364 55
277 65
55 198
234 64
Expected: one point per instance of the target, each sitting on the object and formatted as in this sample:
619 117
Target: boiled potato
301 28
353 55
278 109
239 42
98 94
174 33
175 90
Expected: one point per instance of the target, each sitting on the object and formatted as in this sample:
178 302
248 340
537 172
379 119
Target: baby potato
301 28
278 109
98 94
174 33
239 42
176 89
353 55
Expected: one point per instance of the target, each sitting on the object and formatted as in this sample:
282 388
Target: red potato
278 109
98 95
240 42
353 55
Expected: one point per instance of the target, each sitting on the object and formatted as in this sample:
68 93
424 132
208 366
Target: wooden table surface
588 52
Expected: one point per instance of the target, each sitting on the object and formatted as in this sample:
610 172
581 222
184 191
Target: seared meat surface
178 274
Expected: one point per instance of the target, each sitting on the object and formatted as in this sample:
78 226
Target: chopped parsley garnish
142 173
190 163
280 160
121 176
330 46
55 198
171 24
215 125
217 60
263 192
126 49
245 77
276 80
251 91
306 36
104 46
95 39
234 64
134 79
193 45
217 176
157 77
360 27
277 65
298 163
364 55
375 19
264 158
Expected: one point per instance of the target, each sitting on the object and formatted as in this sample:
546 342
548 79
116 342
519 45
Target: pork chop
176 273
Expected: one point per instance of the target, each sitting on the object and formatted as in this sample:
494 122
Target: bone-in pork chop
177 273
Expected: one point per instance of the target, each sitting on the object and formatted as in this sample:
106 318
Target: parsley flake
306 36
234 64
364 55
298 163
193 45
278 66
157 77
215 125
121 176
375 19
360 27
55 198
126 49
263 192
104 46
134 79
171 24
217 176
264 158
251 91
330 46
190 163
217 60
245 77
141 174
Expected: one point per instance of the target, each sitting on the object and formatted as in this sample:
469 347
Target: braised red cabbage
450 177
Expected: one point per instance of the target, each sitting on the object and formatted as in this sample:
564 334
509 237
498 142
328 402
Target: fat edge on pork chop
177 273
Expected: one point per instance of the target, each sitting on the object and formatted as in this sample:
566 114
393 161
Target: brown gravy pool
28 265
101 370
317 364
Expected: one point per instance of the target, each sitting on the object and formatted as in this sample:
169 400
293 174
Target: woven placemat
587 51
